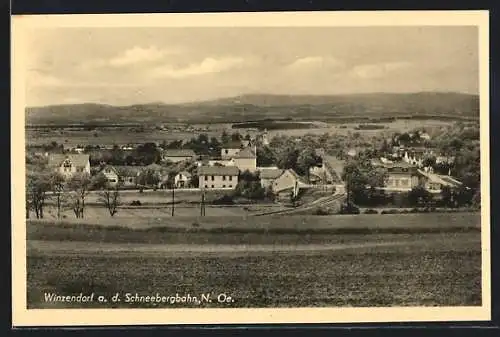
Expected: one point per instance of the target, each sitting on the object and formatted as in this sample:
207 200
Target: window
206 177
212 186
230 185
206 186
213 178
230 178
223 186
226 151
223 177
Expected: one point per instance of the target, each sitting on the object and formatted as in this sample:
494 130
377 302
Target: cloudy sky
126 66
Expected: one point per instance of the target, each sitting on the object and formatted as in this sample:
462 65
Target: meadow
123 135
428 271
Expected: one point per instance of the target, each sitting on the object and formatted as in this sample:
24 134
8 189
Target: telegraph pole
173 199
202 205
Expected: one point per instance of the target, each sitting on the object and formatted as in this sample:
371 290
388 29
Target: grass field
123 135
432 272
363 260
295 223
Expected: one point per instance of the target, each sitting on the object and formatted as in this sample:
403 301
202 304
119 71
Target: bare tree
111 199
58 186
37 187
79 184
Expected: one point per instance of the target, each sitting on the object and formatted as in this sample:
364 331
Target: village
232 166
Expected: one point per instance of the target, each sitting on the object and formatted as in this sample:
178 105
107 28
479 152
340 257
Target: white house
112 175
288 181
70 164
218 177
268 176
182 179
246 159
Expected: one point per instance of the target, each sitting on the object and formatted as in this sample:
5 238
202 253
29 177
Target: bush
348 208
370 211
390 211
195 224
321 211
224 200
136 203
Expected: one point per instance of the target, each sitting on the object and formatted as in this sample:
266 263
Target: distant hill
262 106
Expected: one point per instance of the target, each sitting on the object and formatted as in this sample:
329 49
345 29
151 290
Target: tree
225 138
419 196
307 159
99 181
446 196
265 157
80 185
148 177
58 186
111 199
287 158
37 187
236 137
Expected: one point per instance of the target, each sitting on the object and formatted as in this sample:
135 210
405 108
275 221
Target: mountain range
265 106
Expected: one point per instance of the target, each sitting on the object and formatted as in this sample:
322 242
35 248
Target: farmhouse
246 159
288 182
268 176
69 164
127 175
182 179
217 177
178 155
111 174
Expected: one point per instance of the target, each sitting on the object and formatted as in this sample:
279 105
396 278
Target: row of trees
66 194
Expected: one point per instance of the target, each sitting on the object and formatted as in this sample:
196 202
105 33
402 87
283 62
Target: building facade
70 164
218 177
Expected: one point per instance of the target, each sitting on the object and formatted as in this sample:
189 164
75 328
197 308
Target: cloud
378 70
316 62
139 55
206 66
133 56
36 78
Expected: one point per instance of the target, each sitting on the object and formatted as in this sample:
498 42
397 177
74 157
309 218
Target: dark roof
79 160
218 170
234 144
270 173
178 153
246 153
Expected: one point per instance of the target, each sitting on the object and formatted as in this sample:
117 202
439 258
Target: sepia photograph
262 162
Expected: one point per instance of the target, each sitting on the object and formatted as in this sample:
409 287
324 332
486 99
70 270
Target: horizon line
201 101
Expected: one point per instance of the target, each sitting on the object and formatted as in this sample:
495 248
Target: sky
122 66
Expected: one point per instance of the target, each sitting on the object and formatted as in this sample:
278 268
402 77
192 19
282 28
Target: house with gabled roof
246 159
268 176
69 164
218 177
178 155
289 182
182 179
